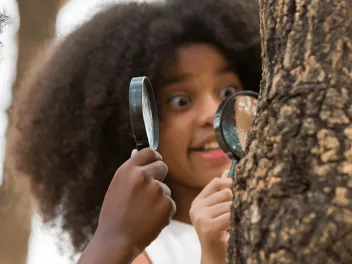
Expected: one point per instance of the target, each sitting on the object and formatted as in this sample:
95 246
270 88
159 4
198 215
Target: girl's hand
136 208
210 215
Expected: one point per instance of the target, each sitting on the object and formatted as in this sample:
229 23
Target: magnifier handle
142 144
233 169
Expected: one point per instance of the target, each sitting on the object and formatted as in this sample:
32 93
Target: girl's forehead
193 59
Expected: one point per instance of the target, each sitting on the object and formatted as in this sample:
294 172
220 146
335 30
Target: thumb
134 152
225 239
225 174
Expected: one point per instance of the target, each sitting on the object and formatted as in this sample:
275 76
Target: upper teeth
211 145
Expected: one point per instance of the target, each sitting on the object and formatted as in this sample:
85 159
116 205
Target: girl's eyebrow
226 69
174 80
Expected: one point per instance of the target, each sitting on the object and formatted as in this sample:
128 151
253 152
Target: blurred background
35 25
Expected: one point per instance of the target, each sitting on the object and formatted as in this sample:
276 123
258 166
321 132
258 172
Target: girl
74 128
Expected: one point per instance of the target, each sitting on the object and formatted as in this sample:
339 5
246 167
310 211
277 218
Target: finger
225 195
215 185
145 156
134 152
222 222
219 209
156 170
226 238
166 189
172 208
225 174
167 207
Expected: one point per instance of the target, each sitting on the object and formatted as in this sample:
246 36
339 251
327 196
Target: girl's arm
113 252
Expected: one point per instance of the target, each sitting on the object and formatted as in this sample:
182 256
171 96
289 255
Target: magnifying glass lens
147 117
233 121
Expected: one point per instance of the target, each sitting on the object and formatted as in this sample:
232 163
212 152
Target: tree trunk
293 203
38 20
36 32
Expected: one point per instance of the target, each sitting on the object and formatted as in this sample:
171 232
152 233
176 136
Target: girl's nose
206 110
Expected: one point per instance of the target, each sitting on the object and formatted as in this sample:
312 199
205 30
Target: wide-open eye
179 101
227 92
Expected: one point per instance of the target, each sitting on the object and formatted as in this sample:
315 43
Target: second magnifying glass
232 122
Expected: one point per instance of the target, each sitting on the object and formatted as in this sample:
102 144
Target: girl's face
194 87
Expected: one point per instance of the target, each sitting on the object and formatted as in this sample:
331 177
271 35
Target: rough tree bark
36 32
293 203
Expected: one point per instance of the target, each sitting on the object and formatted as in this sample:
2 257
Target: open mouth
207 147
210 152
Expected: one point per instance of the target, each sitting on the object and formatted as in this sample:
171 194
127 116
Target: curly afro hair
72 118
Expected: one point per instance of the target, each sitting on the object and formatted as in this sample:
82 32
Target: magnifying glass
232 122
143 113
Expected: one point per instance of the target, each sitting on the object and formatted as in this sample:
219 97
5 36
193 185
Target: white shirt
178 243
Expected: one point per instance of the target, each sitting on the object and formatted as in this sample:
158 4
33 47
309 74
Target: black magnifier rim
137 85
219 120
